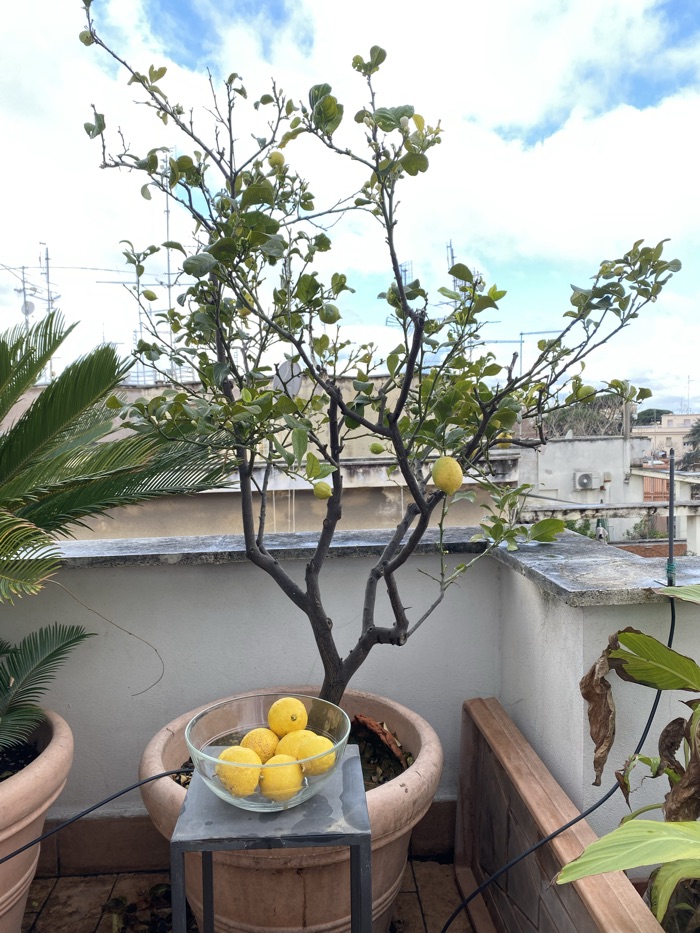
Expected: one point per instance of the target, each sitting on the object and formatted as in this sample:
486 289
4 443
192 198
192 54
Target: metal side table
335 816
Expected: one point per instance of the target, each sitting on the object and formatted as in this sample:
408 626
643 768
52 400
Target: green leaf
274 246
635 845
649 662
546 530
284 454
300 442
173 244
97 128
199 265
259 193
666 879
389 118
145 193
155 74
313 467
414 162
225 249
377 55
689 593
461 272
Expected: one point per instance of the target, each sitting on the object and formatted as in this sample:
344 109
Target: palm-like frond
53 414
25 674
28 557
123 472
24 354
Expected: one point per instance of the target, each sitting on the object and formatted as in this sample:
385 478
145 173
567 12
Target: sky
570 132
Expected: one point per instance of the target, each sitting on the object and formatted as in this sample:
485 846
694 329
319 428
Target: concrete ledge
575 569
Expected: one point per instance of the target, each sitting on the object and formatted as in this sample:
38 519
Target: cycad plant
25 672
56 470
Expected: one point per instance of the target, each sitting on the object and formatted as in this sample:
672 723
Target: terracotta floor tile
439 896
38 893
74 905
136 890
408 882
408 916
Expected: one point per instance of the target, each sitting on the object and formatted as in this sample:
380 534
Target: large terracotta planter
24 799
306 889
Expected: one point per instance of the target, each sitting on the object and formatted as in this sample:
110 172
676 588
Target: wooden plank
610 899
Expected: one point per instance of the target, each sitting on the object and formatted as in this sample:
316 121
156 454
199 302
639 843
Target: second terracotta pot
264 891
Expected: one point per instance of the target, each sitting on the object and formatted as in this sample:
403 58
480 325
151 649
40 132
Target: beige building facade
666 434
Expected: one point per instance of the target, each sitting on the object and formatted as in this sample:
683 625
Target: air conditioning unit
587 480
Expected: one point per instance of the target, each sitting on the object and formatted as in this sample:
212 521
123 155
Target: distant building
664 435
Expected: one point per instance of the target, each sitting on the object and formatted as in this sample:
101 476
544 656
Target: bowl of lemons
267 751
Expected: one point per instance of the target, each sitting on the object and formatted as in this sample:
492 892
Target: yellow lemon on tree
447 475
262 741
289 743
322 491
309 747
281 778
287 715
276 160
240 777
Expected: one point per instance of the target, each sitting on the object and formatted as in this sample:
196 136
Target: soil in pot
13 760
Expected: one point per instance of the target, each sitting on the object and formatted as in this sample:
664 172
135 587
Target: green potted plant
639 842
281 391
56 469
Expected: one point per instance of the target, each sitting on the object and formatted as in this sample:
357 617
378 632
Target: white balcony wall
177 627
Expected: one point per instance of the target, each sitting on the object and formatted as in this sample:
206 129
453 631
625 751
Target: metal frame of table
335 816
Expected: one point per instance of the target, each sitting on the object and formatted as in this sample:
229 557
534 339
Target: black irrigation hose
96 806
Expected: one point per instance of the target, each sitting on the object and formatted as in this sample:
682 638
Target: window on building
669 423
669 441
686 422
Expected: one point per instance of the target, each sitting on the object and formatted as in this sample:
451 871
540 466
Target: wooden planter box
507 801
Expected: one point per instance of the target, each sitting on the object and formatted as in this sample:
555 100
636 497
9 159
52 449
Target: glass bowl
224 725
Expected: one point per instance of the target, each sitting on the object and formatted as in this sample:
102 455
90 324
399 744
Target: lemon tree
280 386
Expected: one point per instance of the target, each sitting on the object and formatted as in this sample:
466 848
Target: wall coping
575 569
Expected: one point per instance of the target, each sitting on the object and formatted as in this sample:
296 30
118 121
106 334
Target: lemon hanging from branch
447 475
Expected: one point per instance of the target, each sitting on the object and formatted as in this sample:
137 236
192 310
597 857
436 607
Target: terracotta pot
24 799
306 889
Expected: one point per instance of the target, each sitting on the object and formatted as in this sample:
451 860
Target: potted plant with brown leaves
56 470
280 390
672 843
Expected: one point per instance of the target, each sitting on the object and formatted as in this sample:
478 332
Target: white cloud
546 166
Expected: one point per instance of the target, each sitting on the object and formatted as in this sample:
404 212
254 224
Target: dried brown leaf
596 691
384 735
669 743
683 800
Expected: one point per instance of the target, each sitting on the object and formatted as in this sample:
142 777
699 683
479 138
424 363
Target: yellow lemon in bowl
308 747
281 778
289 743
238 775
288 714
262 741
